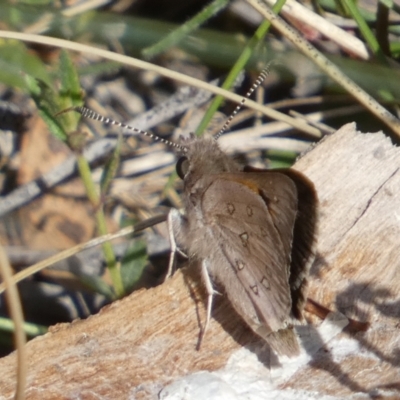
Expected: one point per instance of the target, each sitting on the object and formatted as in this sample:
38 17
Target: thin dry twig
136 63
14 305
80 247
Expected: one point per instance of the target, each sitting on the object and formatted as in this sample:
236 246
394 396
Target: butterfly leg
210 292
173 221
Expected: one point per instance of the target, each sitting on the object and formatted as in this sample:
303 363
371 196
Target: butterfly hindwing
304 236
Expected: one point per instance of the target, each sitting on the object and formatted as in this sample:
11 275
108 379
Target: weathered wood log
136 346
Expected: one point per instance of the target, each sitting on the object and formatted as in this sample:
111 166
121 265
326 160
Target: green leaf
70 92
96 284
111 168
103 67
387 3
37 2
47 103
15 61
133 264
280 158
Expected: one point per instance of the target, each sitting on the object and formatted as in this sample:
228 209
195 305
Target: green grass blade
7 325
365 30
238 66
184 30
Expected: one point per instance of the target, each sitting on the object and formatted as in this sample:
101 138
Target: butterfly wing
304 236
252 216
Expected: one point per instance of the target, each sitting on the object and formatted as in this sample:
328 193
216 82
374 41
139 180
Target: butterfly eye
182 167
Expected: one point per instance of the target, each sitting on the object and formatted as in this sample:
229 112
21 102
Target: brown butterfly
253 232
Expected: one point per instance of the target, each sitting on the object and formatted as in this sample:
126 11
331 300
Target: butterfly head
202 156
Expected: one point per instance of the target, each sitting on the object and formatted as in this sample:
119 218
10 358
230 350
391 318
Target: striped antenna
263 74
88 113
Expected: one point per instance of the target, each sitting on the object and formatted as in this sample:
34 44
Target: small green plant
64 126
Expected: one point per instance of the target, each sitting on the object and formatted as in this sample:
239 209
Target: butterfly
253 233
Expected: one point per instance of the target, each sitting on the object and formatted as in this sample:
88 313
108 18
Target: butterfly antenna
263 74
88 113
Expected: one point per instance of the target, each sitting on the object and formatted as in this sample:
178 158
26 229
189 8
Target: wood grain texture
357 270
136 346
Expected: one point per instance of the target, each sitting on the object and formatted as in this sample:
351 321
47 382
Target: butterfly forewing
250 229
